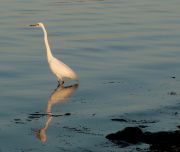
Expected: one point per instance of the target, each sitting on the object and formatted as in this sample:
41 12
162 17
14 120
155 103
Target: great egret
60 69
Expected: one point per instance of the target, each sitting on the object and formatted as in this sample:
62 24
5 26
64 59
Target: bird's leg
60 83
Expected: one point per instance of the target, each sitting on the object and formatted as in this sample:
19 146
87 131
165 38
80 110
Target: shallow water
126 54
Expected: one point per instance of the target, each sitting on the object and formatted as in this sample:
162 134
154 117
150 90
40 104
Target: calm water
124 51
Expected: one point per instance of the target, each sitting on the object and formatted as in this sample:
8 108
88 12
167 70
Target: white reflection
58 95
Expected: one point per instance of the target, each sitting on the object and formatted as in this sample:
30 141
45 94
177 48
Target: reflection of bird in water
41 133
58 95
60 69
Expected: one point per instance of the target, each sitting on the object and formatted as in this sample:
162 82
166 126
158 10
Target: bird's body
59 69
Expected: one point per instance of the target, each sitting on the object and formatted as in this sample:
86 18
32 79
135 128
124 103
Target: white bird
60 69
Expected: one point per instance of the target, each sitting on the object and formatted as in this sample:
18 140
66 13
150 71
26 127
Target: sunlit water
124 51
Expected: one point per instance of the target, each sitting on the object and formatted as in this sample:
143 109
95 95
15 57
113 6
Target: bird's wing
62 69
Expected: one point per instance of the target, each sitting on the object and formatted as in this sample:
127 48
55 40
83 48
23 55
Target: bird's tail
73 75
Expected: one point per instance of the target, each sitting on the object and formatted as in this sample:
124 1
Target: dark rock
134 121
158 141
120 120
130 134
67 114
162 138
178 126
172 93
176 113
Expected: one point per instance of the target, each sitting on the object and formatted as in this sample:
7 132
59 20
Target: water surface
125 52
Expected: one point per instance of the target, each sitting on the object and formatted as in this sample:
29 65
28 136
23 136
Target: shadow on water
58 95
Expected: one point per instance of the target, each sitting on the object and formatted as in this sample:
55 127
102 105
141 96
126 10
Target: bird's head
37 25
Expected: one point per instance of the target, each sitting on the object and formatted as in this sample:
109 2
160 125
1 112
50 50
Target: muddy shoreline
159 129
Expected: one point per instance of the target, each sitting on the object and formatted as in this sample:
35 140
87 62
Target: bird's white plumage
60 69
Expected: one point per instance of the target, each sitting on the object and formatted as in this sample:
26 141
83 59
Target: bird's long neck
49 53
